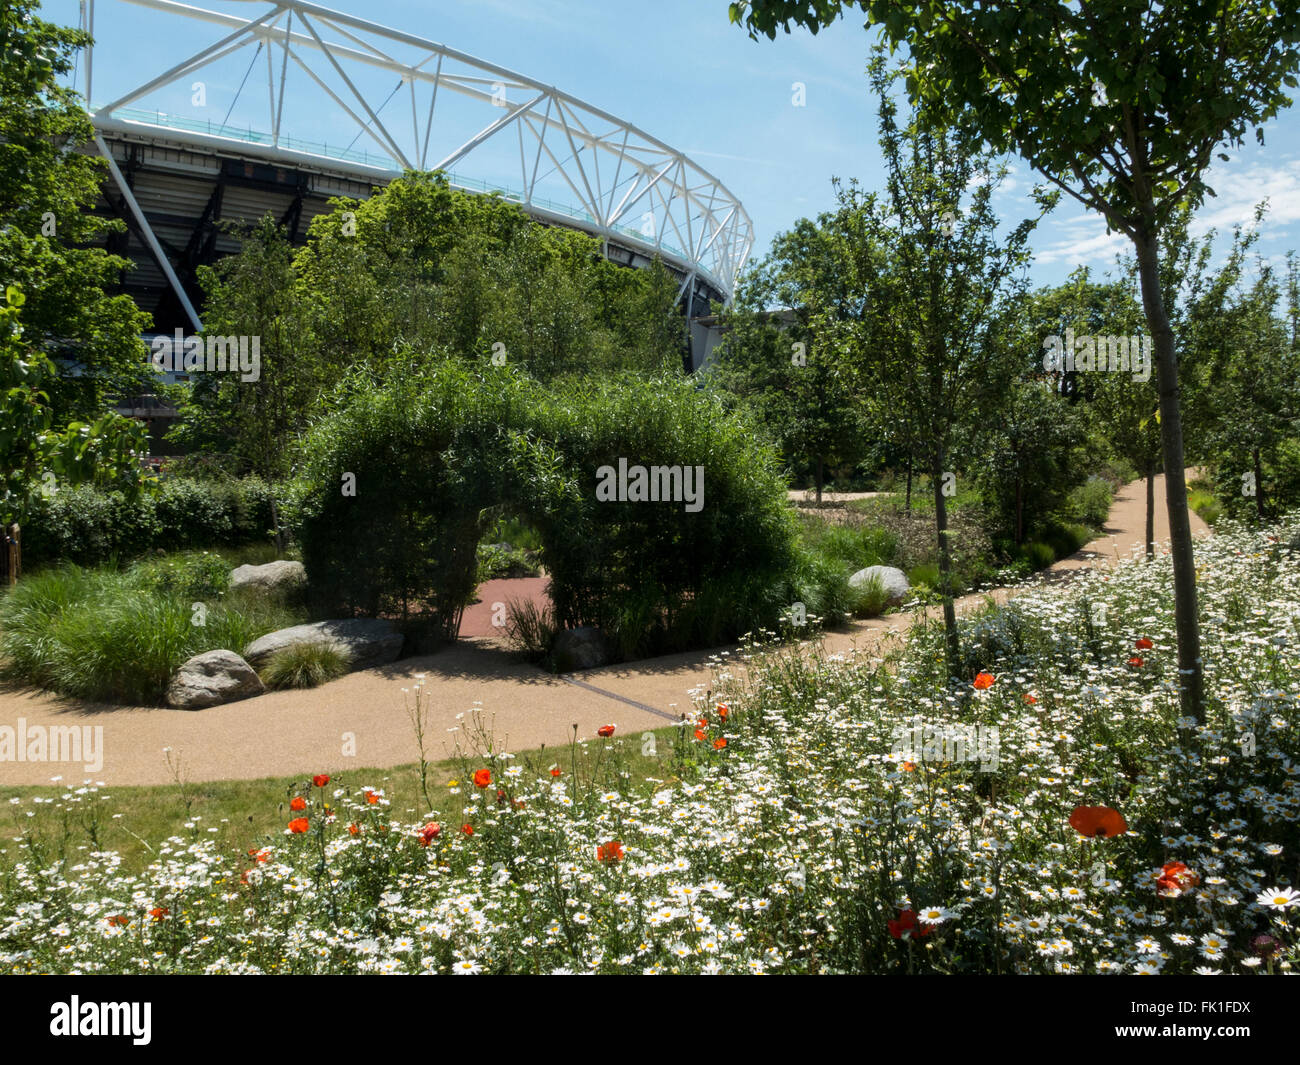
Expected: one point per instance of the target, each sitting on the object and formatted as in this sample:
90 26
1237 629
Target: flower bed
822 815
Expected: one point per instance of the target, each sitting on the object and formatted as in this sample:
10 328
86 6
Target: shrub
104 635
869 599
435 457
192 575
1090 502
89 526
304 665
925 574
530 627
1037 554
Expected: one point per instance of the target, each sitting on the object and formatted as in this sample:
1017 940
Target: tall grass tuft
305 665
107 635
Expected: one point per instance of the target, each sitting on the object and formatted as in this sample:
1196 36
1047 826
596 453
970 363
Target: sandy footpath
283 733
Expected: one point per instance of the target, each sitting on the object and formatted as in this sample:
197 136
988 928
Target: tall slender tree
1121 105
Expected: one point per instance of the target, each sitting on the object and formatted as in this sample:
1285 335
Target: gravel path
283 733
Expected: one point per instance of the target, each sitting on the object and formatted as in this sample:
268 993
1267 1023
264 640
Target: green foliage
439 455
1090 502
86 525
112 636
531 627
1030 460
304 665
36 454
194 575
418 273
48 191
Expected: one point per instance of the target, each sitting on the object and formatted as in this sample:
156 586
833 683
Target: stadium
329 105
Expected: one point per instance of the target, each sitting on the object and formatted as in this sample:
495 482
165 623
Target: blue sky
682 72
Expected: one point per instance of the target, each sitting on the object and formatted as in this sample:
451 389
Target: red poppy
429 833
118 919
354 829
1143 644
159 912
555 771
1174 879
299 803
1031 700
723 711
1136 661
321 780
908 767
260 855
605 730
1097 821
467 829
299 825
610 852
699 734
983 681
719 743
372 797
482 778
704 722
906 924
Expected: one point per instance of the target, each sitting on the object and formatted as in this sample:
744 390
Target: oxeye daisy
1278 898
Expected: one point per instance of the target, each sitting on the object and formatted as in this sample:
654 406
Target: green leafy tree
47 190
1122 106
774 355
38 456
940 285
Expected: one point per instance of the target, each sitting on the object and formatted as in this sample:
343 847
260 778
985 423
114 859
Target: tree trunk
1186 620
1151 508
945 566
819 480
1020 514
1259 485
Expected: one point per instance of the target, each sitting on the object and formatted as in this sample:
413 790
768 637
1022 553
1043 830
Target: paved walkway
283 733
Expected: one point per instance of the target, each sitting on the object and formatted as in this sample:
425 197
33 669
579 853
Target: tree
938 285
774 355
35 454
54 427
1119 104
1254 379
47 190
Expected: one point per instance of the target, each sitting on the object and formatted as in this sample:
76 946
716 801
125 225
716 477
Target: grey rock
581 648
366 642
892 580
212 678
272 577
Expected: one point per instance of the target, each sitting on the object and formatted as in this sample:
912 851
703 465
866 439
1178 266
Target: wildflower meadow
1091 830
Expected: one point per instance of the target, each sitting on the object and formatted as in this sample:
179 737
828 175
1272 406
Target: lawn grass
240 814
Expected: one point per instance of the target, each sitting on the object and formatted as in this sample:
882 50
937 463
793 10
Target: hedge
402 482
90 526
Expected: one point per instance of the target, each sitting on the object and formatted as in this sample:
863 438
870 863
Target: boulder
581 648
892 580
366 642
272 577
212 678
